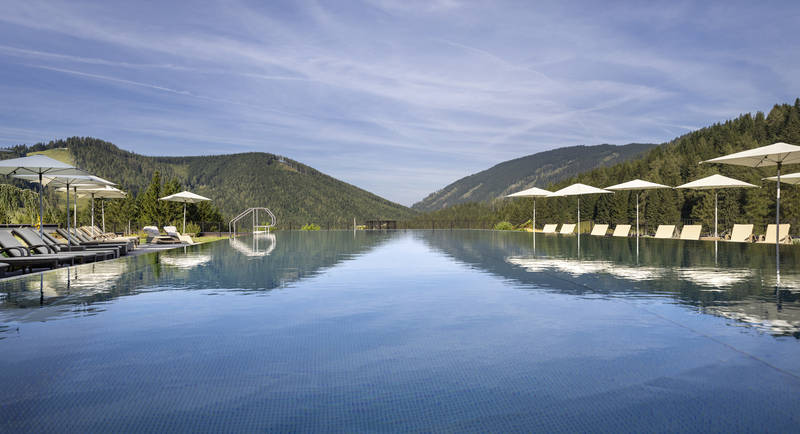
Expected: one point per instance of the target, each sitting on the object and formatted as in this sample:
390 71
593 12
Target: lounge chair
600 230
172 231
117 250
691 232
26 256
741 234
549 229
97 234
155 237
665 232
567 229
76 238
769 237
123 245
621 231
46 246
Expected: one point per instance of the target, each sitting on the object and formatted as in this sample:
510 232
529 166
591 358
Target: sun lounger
741 234
79 240
691 232
26 263
665 231
122 245
600 230
549 229
172 231
769 237
95 233
621 231
567 228
155 237
12 247
45 246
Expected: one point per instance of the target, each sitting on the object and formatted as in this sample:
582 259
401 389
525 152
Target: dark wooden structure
380 224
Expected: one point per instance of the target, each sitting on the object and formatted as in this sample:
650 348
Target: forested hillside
538 169
675 163
295 192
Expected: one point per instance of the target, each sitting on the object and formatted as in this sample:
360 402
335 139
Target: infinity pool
407 331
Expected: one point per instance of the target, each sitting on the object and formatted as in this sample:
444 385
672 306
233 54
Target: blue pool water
407 331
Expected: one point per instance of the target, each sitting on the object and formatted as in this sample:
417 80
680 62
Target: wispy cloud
373 92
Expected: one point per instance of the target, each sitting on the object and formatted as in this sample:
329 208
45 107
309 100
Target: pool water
407 331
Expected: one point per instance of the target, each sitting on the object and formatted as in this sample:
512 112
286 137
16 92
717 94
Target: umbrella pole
41 207
69 237
777 231
75 207
533 225
93 214
184 218
716 193
637 215
103 211
579 225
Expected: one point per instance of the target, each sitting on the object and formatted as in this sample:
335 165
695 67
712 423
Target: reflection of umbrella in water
186 261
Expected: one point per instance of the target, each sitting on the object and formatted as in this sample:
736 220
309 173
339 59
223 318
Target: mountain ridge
294 191
540 169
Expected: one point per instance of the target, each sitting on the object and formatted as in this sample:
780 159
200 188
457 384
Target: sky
399 97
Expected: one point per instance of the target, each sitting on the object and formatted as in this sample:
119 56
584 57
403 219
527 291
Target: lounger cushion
691 232
621 231
665 231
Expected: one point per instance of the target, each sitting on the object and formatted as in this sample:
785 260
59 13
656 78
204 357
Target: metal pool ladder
257 228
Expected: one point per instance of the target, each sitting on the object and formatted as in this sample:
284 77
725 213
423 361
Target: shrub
504 226
192 228
310 227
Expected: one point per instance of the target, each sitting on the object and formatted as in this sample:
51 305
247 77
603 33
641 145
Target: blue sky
399 97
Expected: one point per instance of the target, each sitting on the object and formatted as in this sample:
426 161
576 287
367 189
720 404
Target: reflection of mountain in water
292 256
738 286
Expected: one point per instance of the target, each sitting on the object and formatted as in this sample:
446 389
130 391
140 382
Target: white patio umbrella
185 197
776 154
637 185
792 178
715 182
534 193
578 190
104 192
66 181
38 165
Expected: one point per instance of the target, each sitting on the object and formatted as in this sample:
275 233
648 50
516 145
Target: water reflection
257 245
271 264
730 280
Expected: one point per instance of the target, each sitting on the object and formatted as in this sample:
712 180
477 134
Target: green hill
296 193
539 170
672 163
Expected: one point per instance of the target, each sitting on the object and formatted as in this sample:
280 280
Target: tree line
672 163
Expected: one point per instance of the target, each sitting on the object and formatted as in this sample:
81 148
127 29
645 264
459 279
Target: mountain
540 170
671 163
295 192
